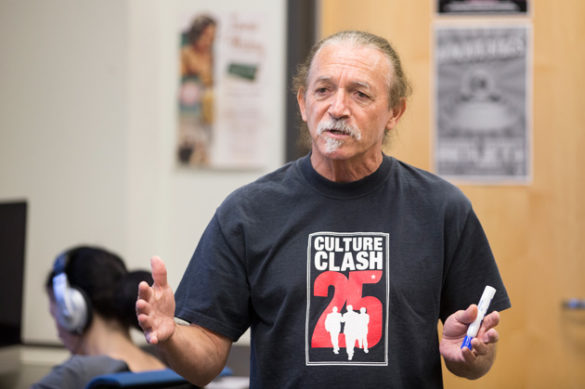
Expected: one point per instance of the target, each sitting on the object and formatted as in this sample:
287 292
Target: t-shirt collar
344 189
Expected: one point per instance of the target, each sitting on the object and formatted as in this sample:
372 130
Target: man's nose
338 108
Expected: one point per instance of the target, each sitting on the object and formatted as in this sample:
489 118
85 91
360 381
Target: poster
482 7
222 91
482 103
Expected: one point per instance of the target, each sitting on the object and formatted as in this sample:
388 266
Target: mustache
339 125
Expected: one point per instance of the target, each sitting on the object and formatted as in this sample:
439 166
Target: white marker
482 307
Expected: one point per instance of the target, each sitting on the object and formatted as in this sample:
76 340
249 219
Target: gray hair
398 86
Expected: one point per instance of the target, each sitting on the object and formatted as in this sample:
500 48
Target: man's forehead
333 58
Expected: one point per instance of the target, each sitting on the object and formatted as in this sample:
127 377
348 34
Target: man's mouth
338 132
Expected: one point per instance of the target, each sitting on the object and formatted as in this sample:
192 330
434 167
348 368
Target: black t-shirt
387 256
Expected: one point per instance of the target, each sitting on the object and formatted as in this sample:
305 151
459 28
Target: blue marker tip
467 342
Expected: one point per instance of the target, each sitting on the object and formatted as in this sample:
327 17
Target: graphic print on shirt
348 286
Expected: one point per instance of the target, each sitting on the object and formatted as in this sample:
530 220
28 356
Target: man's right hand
155 306
196 353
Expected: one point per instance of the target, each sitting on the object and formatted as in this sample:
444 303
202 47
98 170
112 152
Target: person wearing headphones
92 297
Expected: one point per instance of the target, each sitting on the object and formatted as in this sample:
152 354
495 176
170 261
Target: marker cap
487 296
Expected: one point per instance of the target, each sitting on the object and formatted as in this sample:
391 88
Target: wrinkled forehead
367 57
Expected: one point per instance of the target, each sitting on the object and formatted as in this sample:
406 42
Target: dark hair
105 280
398 86
199 24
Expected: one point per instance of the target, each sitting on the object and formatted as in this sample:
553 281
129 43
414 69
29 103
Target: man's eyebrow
352 84
324 79
360 84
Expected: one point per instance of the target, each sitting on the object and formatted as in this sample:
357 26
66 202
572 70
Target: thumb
159 271
468 316
456 324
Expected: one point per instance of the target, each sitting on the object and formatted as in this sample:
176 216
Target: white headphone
73 306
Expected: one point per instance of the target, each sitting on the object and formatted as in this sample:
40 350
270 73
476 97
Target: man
345 225
351 330
333 326
363 329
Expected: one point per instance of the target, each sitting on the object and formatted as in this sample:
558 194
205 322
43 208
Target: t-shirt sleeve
214 291
469 267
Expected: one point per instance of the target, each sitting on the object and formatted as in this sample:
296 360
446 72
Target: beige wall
88 126
536 231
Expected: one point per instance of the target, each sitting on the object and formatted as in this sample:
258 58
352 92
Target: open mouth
338 132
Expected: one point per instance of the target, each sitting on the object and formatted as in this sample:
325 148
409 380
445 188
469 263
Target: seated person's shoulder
78 370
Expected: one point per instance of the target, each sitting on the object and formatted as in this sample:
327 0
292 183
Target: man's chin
331 146
338 154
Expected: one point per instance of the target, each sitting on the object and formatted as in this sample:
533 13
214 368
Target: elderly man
344 226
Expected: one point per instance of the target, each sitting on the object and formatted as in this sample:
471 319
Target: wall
535 230
63 93
87 133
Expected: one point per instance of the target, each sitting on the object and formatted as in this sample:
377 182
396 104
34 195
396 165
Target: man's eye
320 91
362 95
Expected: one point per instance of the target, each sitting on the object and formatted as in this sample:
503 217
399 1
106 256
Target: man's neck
345 170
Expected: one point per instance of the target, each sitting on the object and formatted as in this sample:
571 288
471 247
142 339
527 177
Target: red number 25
348 291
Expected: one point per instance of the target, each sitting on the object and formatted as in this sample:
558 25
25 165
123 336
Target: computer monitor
12 246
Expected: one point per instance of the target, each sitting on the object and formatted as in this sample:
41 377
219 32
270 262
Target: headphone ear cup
80 312
73 306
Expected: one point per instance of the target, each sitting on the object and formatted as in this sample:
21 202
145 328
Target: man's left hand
464 362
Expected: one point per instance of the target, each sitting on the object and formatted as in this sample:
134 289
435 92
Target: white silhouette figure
351 330
333 326
364 319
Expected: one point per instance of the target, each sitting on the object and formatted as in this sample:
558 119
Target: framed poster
482 103
223 90
482 7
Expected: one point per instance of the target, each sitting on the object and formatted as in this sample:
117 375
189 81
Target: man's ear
397 112
301 102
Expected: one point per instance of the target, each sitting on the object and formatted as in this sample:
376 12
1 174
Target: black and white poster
482 103
348 288
498 7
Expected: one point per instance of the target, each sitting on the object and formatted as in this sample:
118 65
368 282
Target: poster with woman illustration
222 91
482 103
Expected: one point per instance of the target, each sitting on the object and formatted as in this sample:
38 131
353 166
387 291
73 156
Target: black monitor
12 245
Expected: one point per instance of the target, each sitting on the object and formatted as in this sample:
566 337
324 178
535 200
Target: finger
144 291
479 347
491 336
159 271
491 320
151 337
142 307
468 355
143 321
